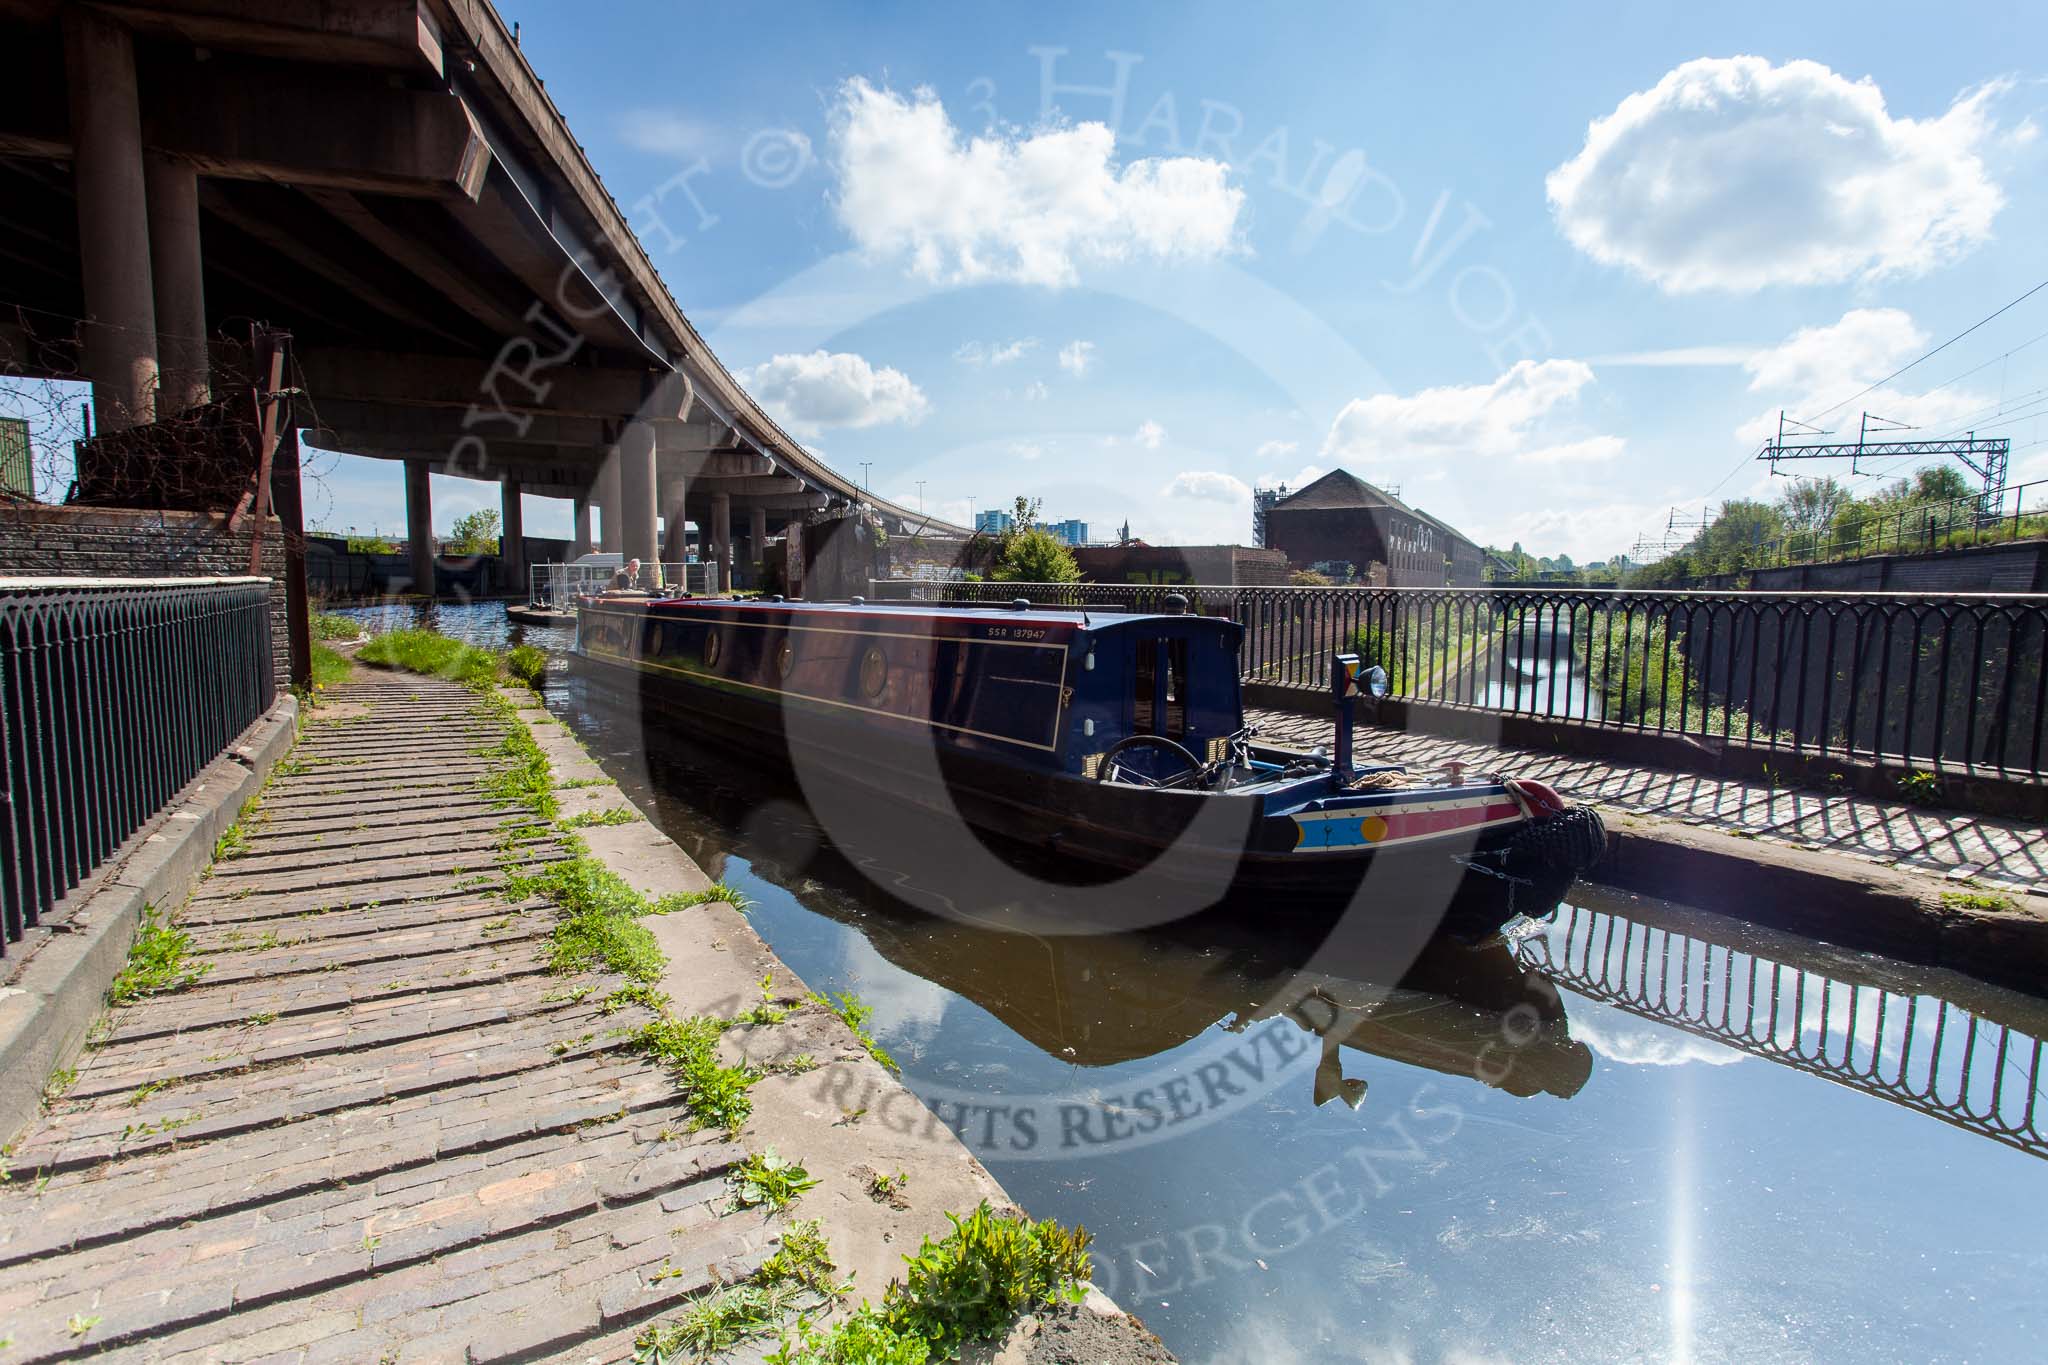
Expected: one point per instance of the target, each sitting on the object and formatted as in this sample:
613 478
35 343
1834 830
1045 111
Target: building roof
1341 488
1453 532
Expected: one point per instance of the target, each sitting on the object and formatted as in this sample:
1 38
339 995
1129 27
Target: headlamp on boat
1374 681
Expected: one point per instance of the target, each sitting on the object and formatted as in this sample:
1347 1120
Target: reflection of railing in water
1924 1053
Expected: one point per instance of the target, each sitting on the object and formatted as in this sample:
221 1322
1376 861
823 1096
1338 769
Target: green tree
1811 505
371 545
1940 483
1034 556
476 533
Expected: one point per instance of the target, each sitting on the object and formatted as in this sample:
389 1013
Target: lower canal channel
1627 1130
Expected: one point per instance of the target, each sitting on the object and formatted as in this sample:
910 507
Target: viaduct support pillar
579 539
419 525
757 542
721 538
637 499
512 543
113 221
675 521
179 289
609 512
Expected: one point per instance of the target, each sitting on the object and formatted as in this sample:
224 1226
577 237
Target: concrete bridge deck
376 1129
2009 853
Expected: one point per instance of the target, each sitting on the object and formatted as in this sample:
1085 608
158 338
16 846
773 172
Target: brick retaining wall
105 542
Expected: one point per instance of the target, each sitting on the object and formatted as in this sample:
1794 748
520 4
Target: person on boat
628 576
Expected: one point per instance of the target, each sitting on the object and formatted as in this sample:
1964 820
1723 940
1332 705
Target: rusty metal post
289 499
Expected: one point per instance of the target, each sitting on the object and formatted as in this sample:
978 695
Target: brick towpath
376 1130
2006 852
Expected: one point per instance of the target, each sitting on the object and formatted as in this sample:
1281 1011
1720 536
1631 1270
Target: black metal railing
1905 678
1923 1053
113 696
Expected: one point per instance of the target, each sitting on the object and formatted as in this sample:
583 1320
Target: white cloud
1203 507
1867 344
1587 531
810 392
996 352
1010 205
1677 356
1275 450
1208 484
1026 450
1816 367
1035 392
1076 357
664 132
1149 434
1592 450
1471 419
1731 173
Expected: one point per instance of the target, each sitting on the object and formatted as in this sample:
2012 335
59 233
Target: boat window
1176 688
785 657
874 672
1143 677
714 646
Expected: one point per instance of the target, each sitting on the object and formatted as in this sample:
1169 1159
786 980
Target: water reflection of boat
1461 1009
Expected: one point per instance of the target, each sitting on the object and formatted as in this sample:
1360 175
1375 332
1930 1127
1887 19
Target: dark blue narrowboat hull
992 771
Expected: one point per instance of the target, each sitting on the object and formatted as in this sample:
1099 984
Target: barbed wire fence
201 459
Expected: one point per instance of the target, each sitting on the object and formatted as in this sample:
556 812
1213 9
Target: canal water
1626 1131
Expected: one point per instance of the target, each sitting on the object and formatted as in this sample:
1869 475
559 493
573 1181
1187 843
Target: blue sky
1397 249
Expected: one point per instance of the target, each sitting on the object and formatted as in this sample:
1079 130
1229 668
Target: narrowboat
1117 741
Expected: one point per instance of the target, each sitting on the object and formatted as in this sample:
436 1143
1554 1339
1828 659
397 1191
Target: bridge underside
387 181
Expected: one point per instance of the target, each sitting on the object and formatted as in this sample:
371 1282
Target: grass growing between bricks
715 1095
157 962
970 1285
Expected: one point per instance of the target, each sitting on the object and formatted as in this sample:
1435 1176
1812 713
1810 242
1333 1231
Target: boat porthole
874 672
785 659
714 645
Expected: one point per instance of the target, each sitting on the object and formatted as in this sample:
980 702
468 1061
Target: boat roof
1093 619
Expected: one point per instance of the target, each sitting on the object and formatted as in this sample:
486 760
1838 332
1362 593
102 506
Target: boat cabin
1046 687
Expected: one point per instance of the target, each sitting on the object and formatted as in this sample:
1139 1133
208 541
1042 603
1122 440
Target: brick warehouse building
1340 519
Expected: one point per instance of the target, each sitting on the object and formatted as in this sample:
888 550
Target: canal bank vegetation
428 652
435 655
969 1286
330 667
1818 520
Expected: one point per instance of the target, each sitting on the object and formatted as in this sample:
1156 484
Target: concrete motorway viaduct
388 181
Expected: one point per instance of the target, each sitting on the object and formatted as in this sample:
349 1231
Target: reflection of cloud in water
1620 1038
908 1006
